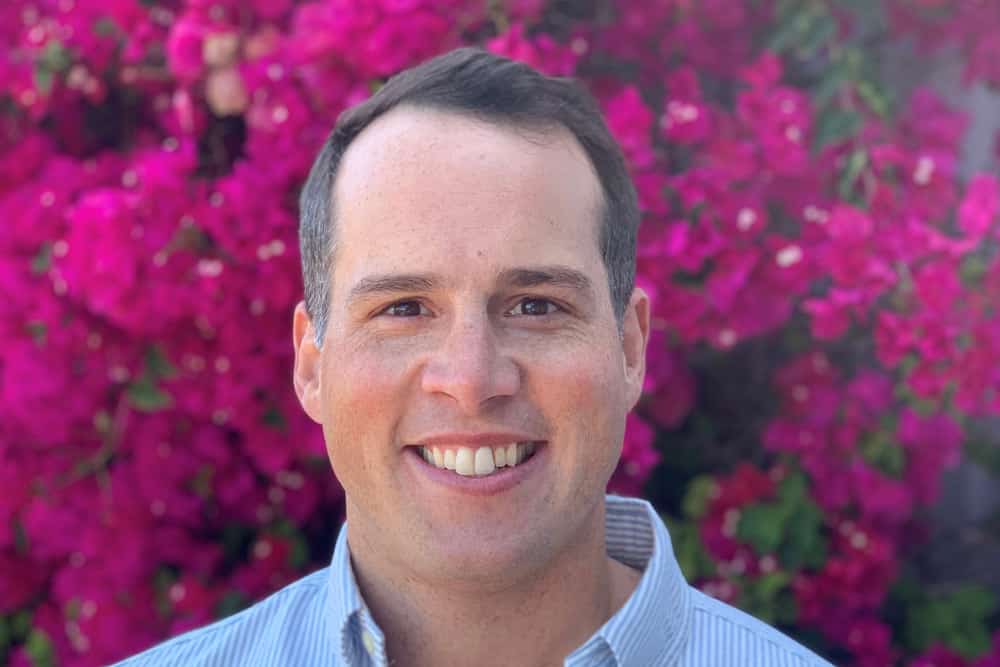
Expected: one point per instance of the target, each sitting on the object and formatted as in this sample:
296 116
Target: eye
535 307
405 309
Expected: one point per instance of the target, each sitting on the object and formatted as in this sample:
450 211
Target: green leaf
698 495
835 125
42 261
39 649
54 58
805 545
144 393
43 79
821 30
38 331
163 579
230 603
145 396
794 25
272 418
21 545
856 164
236 537
769 598
157 363
881 450
106 27
793 489
6 636
875 96
973 269
959 620
694 561
829 85
20 625
763 526
201 483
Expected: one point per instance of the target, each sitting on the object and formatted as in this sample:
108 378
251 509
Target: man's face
470 309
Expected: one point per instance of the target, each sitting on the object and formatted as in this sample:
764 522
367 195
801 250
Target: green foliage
834 125
802 28
699 494
55 58
273 418
763 526
695 562
42 261
790 527
164 578
157 363
5 637
230 603
39 649
850 175
145 396
298 555
144 393
958 620
769 598
881 450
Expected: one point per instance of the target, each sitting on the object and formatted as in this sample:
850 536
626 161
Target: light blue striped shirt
322 619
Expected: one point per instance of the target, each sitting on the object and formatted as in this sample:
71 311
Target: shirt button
369 642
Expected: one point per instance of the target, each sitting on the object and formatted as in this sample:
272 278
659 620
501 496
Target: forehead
419 188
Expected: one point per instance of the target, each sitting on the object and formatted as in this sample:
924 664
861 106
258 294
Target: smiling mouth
478 461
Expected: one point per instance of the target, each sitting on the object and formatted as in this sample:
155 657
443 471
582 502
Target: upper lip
486 439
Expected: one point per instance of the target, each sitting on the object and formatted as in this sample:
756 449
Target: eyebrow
521 277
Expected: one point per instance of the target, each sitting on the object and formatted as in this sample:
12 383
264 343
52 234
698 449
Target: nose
469 367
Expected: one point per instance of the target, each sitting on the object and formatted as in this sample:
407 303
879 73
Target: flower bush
824 290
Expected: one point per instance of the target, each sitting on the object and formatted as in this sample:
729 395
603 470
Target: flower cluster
157 470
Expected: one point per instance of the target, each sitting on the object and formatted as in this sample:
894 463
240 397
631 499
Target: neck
537 619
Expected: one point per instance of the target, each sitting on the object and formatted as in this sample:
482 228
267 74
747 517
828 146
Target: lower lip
501 481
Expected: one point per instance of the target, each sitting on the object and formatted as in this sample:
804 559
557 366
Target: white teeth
512 459
464 461
478 462
484 461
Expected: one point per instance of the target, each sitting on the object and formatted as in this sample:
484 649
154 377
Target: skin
452 578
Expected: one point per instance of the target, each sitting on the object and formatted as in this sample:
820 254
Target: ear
635 336
305 375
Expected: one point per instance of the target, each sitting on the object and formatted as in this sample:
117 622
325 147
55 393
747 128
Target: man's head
476 84
469 309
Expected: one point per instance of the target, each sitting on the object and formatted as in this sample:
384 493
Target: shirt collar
651 628
361 640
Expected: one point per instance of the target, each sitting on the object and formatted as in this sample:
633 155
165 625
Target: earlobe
305 374
635 336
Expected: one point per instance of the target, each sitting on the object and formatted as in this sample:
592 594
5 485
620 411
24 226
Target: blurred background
820 196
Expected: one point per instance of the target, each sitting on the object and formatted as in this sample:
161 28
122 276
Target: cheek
361 405
587 403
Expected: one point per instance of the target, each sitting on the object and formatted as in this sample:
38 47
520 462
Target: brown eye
405 309
535 307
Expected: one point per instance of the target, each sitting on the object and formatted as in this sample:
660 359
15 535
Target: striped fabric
322 620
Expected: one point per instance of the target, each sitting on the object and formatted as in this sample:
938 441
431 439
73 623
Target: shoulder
723 635
287 626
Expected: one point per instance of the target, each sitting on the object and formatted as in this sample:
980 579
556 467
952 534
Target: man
471 342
